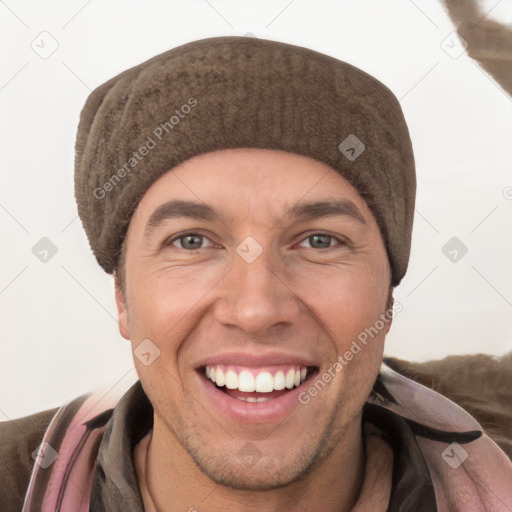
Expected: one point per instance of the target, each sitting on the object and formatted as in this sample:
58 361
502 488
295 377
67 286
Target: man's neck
172 481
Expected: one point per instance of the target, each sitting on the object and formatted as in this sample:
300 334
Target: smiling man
254 201
242 334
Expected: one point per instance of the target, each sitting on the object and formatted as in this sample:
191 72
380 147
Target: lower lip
252 412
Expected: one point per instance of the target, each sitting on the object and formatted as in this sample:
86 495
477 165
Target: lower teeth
252 399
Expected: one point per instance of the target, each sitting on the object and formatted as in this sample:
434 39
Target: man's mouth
257 384
254 388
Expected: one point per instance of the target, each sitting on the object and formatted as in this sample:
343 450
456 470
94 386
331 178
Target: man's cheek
359 339
175 293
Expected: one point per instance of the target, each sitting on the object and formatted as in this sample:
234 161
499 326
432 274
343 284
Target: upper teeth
250 379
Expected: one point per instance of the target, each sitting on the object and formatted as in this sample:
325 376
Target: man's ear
122 310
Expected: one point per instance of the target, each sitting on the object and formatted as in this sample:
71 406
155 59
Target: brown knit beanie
232 92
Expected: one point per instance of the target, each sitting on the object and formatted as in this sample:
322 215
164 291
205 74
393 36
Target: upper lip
255 360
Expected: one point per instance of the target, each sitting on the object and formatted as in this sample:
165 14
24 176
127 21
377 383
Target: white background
58 329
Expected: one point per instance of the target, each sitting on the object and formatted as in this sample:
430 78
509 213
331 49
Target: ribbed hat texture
232 92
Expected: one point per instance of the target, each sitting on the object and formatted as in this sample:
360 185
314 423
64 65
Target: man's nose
255 297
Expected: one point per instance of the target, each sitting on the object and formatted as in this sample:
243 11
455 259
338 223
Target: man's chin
250 469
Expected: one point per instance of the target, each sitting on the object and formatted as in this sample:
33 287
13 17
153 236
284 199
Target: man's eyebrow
319 209
173 209
304 211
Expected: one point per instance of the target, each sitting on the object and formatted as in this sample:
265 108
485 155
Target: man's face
260 266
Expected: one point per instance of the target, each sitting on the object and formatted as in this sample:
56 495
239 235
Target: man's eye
319 241
191 242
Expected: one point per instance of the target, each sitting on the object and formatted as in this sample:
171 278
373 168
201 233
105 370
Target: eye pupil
191 241
320 241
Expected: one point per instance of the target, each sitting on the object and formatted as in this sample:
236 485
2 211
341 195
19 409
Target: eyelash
340 242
